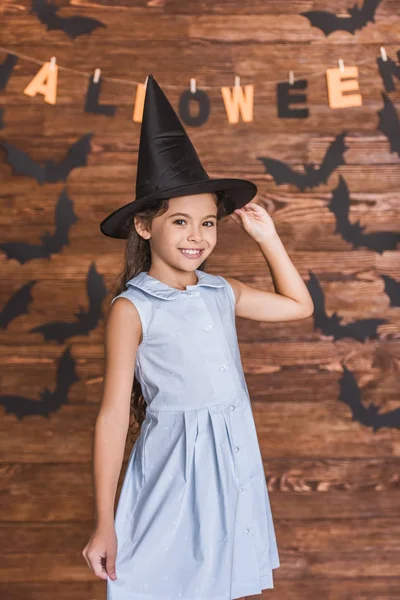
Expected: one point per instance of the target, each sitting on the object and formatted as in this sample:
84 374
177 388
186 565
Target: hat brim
239 191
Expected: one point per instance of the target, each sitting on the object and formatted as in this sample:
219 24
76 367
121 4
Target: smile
191 253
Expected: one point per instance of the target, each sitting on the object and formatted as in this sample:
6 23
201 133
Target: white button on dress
196 449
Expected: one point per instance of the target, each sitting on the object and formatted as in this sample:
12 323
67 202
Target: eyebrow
186 215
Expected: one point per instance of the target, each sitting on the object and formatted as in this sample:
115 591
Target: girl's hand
100 553
255 220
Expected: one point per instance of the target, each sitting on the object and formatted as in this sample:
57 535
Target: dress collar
157 288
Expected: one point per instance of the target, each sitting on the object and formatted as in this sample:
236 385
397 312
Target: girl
193 520
174 505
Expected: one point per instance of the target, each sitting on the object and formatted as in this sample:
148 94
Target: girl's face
186 234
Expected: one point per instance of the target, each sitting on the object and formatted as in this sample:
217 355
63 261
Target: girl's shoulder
233 286
131 292
140 301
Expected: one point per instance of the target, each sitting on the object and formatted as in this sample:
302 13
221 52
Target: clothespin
193 85
291 77
383 54
237 80
52 63
341 65
96 75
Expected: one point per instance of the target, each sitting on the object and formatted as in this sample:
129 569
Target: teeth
190 251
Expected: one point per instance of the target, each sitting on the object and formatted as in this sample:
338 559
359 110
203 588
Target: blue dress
193 520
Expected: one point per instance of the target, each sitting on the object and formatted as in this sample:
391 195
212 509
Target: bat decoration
23 164
313 176
17 305
358 18
354 232
389 123
369 416
86 320
74 26
51 243
49 402
331 325
6 69
392 289
387 70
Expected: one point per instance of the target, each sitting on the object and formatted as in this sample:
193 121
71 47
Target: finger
98 566
85 555
101 574
236 218
248 220
110 567
87 561
253 207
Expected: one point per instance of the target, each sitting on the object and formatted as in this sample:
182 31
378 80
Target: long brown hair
138 259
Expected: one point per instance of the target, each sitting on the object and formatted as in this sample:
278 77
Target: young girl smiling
193 519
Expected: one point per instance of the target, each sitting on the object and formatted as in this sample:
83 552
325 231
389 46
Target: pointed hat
168 166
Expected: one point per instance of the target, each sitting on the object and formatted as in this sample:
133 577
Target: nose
195 234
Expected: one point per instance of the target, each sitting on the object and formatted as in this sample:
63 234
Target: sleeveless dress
193 520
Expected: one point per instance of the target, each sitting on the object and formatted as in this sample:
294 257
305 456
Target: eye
183 221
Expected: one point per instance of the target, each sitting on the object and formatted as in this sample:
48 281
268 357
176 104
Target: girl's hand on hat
255 221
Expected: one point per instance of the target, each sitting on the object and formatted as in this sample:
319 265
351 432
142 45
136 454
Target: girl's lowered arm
292 299
122 334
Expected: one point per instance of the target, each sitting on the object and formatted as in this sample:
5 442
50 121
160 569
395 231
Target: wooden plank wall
334 481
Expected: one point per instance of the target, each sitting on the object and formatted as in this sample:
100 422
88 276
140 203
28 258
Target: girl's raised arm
123 333
292 299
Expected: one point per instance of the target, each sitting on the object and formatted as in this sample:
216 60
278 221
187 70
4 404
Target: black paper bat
331 325
49 402
392 289
23 164
51 244
313 176
368 416
358 18
87 320
17 305
72 26
354 232
6 69
388 69
389 123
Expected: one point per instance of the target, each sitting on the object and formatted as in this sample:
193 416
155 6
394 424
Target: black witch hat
168 166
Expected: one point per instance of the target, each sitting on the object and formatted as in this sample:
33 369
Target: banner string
133 82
